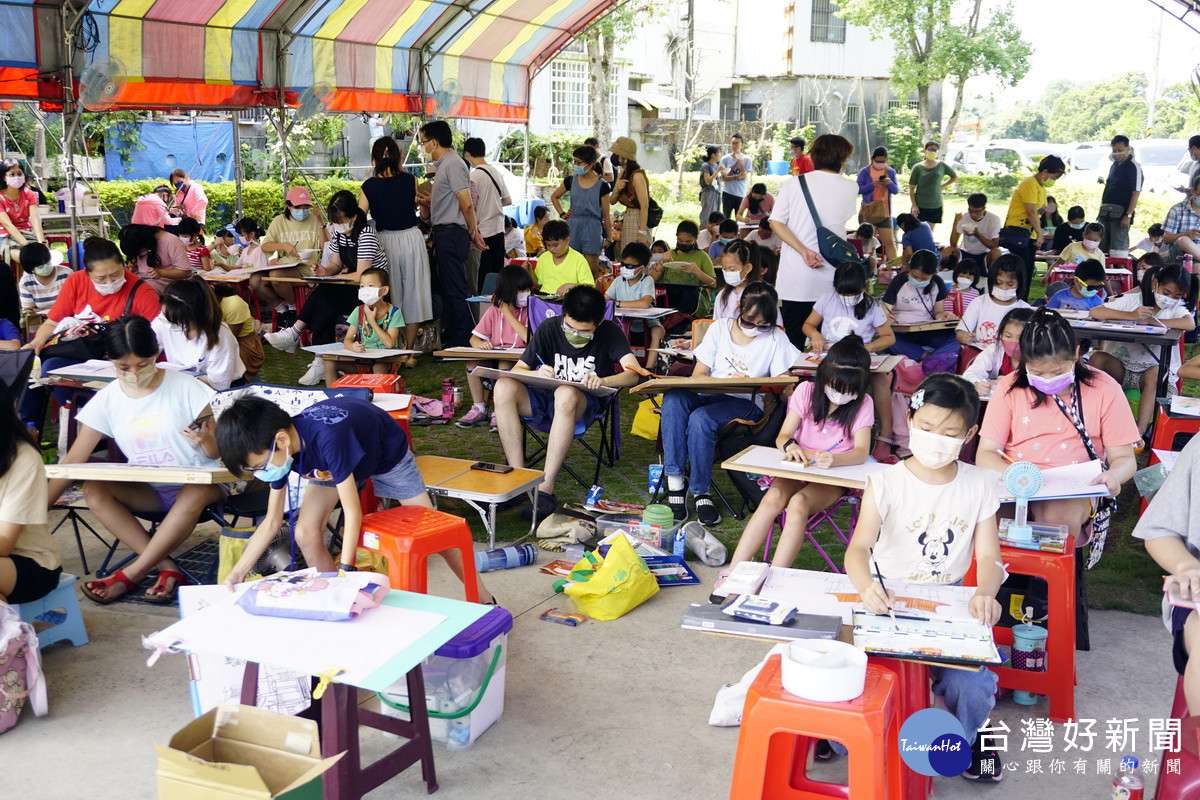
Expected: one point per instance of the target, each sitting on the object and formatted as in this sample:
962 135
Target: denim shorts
401 482
541 404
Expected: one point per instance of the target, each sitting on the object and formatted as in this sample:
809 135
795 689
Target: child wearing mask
685 268
504 326
1087 247
726 233
999 359
632 287
980 325
741 263
374 325
1071 231
1086 288
43 276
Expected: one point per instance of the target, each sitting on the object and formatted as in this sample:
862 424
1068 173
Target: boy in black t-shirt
580 346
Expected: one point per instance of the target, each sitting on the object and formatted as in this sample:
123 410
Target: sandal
161 596
888 457
89 587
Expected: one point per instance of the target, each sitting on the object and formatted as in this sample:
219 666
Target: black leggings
327 304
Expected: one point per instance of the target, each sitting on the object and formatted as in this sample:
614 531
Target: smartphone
484 466
198 423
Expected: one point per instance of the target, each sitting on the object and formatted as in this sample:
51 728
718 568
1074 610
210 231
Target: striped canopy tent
373 55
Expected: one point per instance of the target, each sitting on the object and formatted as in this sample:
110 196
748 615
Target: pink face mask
1089 244
1011 349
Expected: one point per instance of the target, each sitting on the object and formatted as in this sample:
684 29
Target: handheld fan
1023 480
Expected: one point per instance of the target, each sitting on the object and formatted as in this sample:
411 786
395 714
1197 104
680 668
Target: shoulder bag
1102 516
833 248
90 344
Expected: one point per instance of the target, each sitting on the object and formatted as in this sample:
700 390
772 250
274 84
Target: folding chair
15 368
739 434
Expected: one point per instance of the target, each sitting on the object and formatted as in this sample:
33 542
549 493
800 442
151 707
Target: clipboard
932 325
139 473
540 381
713 385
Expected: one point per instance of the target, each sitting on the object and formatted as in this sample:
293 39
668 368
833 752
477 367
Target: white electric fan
1022 480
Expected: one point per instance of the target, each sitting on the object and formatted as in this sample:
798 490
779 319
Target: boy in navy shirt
917 236
334 444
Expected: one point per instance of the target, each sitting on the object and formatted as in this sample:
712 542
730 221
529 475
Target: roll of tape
827 671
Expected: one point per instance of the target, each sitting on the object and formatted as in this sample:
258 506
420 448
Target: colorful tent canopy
466 58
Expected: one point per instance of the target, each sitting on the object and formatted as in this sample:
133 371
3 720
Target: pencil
1007 456
882 585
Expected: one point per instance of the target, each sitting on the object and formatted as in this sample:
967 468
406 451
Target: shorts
931 215
401 482
887 225
169 492
1133 379
541 401
1179 653
33 580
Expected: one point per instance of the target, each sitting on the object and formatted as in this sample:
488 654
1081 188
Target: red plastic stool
379 384
1186 782
60 238
779 729
1058 681
408 535
913 696
1166 427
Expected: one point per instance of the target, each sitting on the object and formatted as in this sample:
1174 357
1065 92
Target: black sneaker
823 751
985 767
677 502
706 510
547 504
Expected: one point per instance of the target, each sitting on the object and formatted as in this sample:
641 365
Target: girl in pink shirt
504 326
828 423
1036 412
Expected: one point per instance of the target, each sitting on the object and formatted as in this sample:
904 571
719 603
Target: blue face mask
919 284
300 214
270 473
579 170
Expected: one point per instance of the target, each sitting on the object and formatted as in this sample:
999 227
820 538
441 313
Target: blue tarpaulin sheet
203 149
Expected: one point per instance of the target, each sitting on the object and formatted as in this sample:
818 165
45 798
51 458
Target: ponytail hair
1172 274
1048 335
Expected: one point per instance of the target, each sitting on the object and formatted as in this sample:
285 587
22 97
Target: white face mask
732 277
850 301
109 288
1089 244
368 295
839 398
933 450
1004 295
964 283
523 299
341 227
187 241
15 181
1164 302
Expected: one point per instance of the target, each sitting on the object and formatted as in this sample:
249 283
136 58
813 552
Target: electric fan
1022 480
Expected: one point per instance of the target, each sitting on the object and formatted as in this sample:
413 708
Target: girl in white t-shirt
980 324
923 520
750 346
194 336
847 310
914 297
251 254
828 424
741 262
157 417
999 359
1162 297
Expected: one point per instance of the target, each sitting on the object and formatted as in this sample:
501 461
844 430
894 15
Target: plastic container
1128 783
632 524
464 683
1150 479
778 167
1029 654
505 558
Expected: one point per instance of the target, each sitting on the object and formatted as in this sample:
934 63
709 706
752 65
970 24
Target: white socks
674 483
481 407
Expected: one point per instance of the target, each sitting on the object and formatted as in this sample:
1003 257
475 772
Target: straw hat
624 147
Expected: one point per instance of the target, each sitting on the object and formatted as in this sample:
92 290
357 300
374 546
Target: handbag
1014 237
90 343
646 420
833 248
875 211
21 678
655 216
1107 506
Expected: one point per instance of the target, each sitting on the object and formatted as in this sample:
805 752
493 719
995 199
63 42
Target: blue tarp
203 149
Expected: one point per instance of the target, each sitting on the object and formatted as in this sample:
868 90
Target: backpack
20 669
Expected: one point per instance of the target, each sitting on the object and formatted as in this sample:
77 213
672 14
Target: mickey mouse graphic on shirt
935 551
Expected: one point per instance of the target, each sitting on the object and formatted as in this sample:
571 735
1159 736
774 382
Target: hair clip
917 400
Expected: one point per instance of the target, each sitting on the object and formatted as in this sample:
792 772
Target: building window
569 95
612 105
853 115
814 115
827 26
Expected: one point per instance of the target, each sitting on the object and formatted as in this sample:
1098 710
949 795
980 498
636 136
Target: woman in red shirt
18 207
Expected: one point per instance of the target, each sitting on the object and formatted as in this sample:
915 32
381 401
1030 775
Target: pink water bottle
1187 262
448 398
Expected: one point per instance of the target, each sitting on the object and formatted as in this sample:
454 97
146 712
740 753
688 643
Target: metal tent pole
238 174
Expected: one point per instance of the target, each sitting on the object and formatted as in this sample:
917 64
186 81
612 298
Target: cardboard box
243 752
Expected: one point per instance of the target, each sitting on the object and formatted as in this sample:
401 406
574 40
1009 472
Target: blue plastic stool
60 609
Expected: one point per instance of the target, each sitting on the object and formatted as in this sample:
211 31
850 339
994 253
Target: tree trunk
960 87
927 129
604 127
598 74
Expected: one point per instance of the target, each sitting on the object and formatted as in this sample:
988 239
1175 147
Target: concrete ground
607 709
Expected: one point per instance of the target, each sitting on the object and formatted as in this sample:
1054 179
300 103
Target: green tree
939 40
1101 110
900 130
616 27
1177 113
1022 122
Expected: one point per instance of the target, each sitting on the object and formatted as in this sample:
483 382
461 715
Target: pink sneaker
471 418
492 421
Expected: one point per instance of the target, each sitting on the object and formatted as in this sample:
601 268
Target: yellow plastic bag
607 589
647 419
229 549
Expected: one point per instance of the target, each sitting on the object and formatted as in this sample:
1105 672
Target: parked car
981 157
1087 163
1161 160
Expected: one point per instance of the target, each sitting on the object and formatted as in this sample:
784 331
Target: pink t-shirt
1045 436
171 255
820 437
496 328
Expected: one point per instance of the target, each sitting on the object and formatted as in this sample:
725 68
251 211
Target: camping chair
739 434
15 368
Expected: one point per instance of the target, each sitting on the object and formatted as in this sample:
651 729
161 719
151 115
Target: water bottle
458 734
505 558
1187 262
448 397
1128 783
706 546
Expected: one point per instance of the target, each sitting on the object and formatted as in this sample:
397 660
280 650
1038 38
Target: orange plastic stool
1186 782
779 729
1166 427
408 535
379 384
1058 681
913 696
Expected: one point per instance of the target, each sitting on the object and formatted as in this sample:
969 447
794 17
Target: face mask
15 181
579 170
850 300
1077 225
575 338
109 288
964 283
931 154
341 227
139 379
187 240
1088 244
1086 291
1051 208
300 214
368 295
725 241
1049 183
270 473
1118 157
933 450
630 273
1011 349
685 248
1004 295
1164 302
523 299
45 271
839 398
1052 385
732 277
752 330
919 284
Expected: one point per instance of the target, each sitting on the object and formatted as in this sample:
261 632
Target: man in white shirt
979 232
738 167
606 164
489 188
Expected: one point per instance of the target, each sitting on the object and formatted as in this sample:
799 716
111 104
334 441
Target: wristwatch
347 567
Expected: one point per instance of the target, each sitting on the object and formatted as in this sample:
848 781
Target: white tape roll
823 670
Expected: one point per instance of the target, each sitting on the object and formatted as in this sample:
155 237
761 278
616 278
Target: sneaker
472 418
287 340
492 423
985 766
547 504
677 502
823 750
286 318
315 373
706 510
